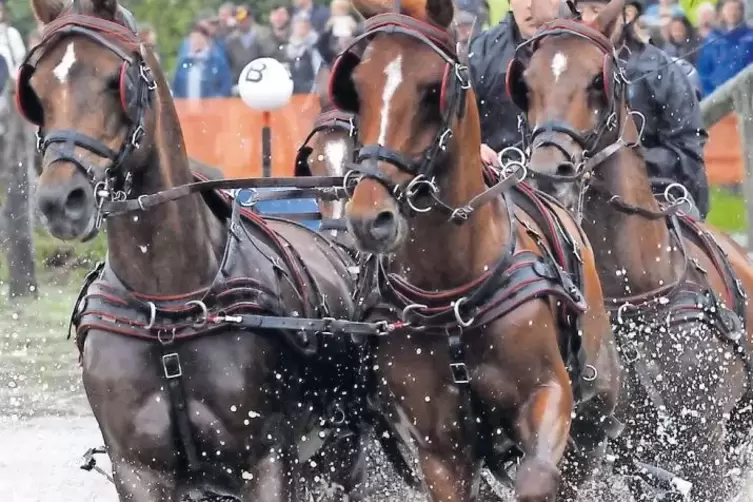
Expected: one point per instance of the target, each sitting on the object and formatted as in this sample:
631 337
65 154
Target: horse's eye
431 94
113 83
597 84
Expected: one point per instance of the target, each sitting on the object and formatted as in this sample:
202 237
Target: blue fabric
217 79
4 74
282 206
724 55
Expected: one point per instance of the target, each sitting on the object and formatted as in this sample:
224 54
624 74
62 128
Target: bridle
332 119
455 83
136 85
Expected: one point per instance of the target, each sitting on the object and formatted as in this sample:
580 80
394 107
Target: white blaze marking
64 67
394 78
559 65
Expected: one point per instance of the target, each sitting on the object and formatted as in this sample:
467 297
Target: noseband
135 87
455 83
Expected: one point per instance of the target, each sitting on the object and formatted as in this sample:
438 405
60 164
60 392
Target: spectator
318 14
653 14
11 43
728 49
303 59
148 37
203 72
681 41
706 14
225 20
464 27
250 41
341 29
477 8
279 22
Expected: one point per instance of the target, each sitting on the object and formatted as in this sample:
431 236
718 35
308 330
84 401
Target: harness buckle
146 75
461 72
137 136
445 138
460 374
171 366
629 352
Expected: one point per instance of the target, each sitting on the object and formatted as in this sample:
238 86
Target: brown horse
327 151
200 388
675 286
493 323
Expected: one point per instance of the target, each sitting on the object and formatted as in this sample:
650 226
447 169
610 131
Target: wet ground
46 425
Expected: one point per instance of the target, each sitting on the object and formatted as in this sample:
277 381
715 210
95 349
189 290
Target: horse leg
273 478
448 473
543 426
345 463
143 484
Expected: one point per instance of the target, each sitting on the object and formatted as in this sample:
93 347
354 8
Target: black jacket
673 137
488 57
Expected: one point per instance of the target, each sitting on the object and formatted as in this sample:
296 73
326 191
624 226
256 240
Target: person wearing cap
488 56
249 41
660 90
203 71
466 26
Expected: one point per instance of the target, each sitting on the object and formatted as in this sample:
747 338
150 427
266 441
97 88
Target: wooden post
18 240
744 107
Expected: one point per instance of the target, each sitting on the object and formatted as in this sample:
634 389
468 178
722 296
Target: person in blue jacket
203 71
728 49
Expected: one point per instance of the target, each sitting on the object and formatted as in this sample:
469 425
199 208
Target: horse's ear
607 18
48 10
441 12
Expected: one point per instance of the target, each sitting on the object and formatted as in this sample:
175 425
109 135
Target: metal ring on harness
338 416
637 142
592 374
412 189
684 197
251 202
140 202
514 149
521 171
621 310
347 182
410 308
458 317
152 315
204 313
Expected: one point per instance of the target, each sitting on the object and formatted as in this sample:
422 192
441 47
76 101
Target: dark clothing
673 136
242 48
488 57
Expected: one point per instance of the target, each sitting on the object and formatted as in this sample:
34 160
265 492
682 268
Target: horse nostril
566 169
75 203
384 226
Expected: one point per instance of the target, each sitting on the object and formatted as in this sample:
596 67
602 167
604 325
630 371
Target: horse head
574 94
415 112
94 92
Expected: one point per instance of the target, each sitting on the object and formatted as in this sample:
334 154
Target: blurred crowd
303 36
713 35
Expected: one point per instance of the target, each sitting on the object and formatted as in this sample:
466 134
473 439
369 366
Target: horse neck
172 248
438 254
632 252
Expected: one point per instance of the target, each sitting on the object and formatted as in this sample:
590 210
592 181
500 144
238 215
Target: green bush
727 210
